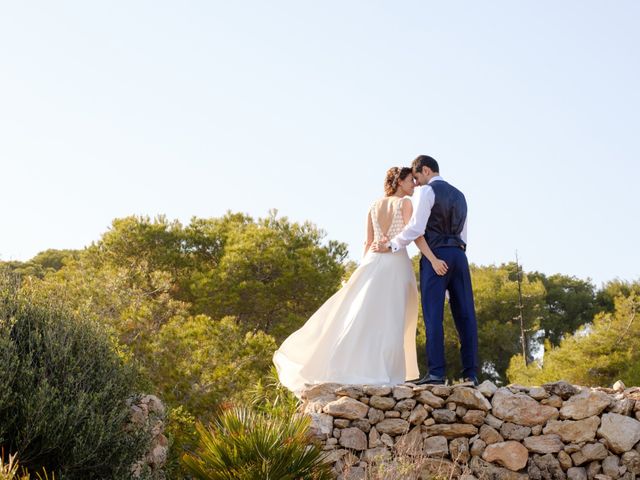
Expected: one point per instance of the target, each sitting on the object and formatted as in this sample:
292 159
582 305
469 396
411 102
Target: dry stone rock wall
147 414
557 431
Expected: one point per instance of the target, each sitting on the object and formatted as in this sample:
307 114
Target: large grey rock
374 438
443 415
562 389
378 390
401 392
427 398
436 447
520 408
346 407
477 447
544 444
623 406
353 438
587 403
621 433
577 473
340 422
486 470
442 391
451 430
321 425
565 460
512 455
553 401
474 417
320 390
511 431
589 453
490 435
362 423
459 450
382 403
411 443
487 388
611 466
493 421
470 398
375 415
631 460
393 426
573 431
546 467
593 469
538 393
418 415
376 455
353 391
405 405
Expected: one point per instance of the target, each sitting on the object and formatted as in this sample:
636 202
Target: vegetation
64 390
598 354
11 470
193 313
244 445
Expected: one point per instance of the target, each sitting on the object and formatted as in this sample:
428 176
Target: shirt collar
437 177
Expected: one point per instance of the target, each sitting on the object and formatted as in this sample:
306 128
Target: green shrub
11 470
64 390
244 445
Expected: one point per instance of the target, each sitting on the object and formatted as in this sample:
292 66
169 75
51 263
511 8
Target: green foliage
44 262
11 470
244 445
553 307
63 402
569 303
605 298
496 301
272 398
598 354
198 309
200 362
271 276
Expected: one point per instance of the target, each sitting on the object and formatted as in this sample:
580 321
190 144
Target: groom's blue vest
447 217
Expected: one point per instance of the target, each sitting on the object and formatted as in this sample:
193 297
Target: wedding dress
366 332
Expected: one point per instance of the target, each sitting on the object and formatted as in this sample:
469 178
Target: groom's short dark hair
425 161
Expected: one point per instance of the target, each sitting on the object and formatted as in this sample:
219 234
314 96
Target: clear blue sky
194 108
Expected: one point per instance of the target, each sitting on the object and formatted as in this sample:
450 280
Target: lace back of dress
397 224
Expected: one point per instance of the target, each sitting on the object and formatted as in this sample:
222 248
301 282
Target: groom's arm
423 199
463 234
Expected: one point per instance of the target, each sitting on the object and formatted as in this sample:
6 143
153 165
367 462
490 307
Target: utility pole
523 338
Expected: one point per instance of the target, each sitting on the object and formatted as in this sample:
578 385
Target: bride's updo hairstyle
394 175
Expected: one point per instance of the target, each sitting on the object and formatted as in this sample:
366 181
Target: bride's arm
440 266
369 241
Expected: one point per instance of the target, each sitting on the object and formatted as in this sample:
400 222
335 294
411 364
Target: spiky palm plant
244 445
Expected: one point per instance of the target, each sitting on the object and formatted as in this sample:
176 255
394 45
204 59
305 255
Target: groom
440 214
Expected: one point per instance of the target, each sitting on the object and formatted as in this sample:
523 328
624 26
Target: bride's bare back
386 217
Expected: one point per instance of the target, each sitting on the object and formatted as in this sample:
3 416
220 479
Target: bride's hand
380 245
440 266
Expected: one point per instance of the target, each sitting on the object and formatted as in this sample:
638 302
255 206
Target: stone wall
556 431
147 413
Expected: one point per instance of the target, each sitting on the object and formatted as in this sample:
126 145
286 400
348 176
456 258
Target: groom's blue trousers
432 288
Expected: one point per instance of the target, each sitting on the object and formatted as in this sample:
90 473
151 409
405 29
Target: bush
64 390
11 471
245 445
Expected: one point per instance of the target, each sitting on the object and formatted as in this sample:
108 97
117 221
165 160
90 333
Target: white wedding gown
366 332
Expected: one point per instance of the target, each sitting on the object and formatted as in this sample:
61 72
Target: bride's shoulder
377 202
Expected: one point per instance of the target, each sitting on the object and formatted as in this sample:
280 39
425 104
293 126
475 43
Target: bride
366 332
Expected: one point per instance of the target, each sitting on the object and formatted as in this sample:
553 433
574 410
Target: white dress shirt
423 199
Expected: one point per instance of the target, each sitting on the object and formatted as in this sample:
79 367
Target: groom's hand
381 246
